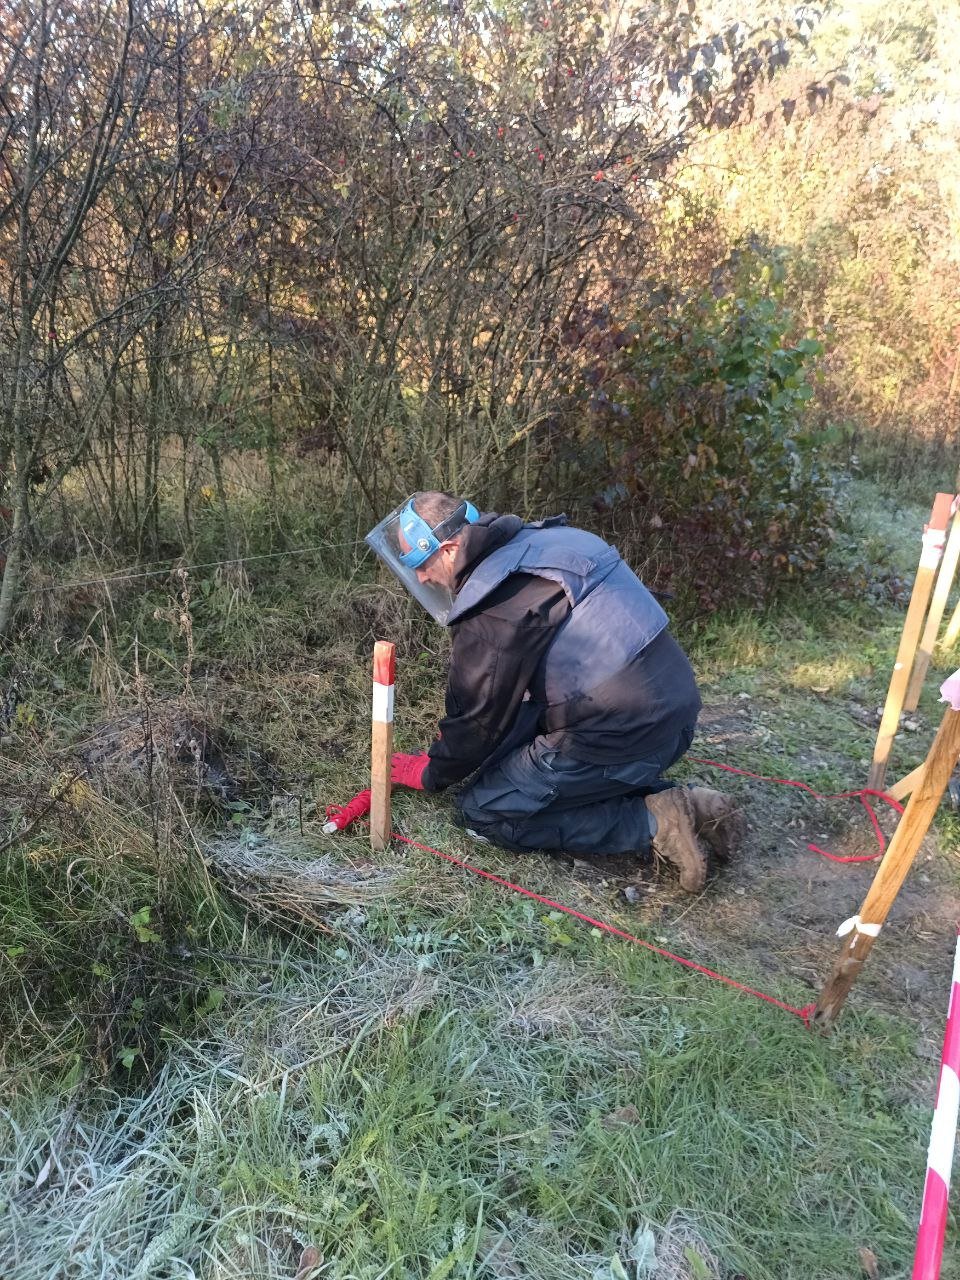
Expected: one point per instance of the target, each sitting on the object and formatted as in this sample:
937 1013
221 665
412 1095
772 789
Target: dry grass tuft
277 874
683 1255
557 1000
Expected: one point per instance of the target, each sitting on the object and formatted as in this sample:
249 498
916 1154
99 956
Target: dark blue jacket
554 614
612 618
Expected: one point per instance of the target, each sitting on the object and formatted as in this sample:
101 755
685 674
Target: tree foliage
362 236
699 413
860 185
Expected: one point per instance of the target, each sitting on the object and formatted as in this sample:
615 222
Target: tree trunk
20 498
228 531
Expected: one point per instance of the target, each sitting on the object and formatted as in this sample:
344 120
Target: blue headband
423 540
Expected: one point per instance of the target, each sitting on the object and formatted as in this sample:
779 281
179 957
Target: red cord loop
341 815
861 795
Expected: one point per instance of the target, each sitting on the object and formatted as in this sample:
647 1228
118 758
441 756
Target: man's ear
448 550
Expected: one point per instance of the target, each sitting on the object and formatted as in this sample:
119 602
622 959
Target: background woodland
268 268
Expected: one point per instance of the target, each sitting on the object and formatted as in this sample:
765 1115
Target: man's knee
497 810
482 804
518 835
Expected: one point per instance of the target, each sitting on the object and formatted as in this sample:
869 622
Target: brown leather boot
675 839
718 820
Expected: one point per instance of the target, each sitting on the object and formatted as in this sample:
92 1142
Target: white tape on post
383 702
950 691
932 544
855 923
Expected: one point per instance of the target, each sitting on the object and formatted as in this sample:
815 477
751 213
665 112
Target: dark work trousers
536 797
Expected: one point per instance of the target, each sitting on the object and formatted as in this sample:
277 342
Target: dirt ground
772 914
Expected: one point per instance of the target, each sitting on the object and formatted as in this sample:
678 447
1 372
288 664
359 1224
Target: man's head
431 523
419 541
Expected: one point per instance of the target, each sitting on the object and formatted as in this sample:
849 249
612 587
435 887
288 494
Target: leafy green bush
700 408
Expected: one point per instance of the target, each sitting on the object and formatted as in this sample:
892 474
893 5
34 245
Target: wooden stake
912 827
384 665
900 790
933 539
952 631
953 626
938 603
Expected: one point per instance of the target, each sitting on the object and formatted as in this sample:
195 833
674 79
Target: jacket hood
479 540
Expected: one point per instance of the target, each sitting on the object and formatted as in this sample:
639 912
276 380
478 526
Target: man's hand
408 770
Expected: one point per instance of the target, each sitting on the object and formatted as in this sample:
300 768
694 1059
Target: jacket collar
477 541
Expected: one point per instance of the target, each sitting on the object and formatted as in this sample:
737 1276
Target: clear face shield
404 541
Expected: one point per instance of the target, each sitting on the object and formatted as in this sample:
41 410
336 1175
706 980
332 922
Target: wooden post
384 665
900 790
912 827
933 539
938 603
953 630
953 626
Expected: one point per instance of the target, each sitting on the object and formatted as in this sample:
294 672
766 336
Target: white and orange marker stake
943 1135
860 932
934 540
938 604
381 750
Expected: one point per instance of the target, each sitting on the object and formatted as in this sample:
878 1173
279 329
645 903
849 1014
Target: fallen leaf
643 1252
45 1172
310 1259
868 1260
499 1258
626 1115
698 1268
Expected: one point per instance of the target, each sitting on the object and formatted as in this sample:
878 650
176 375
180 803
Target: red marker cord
359 806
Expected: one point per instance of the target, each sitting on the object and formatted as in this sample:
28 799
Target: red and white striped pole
381 750
375 800
943 1133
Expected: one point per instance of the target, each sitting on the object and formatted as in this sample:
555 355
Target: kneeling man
567 696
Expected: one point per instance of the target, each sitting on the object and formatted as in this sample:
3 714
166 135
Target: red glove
407 770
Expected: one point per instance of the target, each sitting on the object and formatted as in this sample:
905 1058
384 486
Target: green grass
397 1104
453 1083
